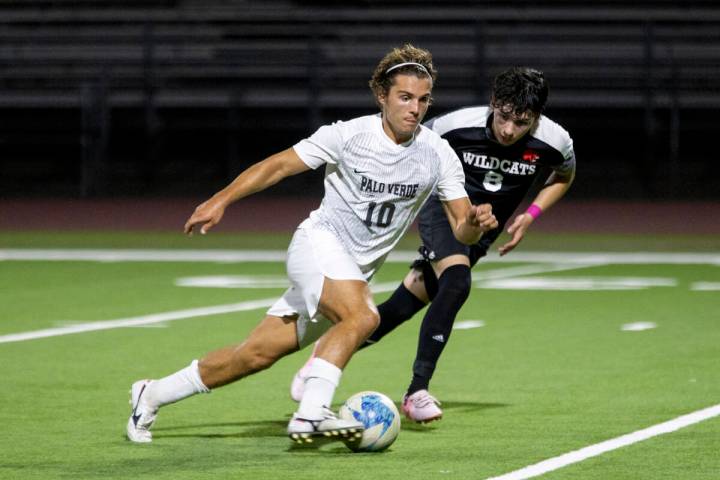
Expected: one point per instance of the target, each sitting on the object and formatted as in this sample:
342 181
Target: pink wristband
534 211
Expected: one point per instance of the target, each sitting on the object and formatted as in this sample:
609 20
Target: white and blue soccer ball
379 416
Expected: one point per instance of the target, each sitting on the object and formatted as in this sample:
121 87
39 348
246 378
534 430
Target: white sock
322 380
175 387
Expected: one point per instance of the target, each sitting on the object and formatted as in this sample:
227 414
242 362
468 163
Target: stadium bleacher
82 79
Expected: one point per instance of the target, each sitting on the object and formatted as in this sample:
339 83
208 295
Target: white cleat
303 430
141 417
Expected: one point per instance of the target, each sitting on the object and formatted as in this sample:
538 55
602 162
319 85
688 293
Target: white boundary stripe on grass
523 270
599 448
138 321
233 256
237 307
627 258
137 255
222 256
705 286
156 318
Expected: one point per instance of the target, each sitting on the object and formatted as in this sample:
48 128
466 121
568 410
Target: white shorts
313 254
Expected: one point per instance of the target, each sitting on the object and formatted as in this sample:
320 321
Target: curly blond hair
382 80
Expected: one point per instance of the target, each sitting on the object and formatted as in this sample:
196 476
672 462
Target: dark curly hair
521 89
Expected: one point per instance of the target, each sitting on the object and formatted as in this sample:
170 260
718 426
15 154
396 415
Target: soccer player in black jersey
504 147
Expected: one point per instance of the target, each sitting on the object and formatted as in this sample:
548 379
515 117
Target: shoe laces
325 414
422 398
328 414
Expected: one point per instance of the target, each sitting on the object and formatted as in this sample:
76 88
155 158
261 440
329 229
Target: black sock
401 306
453 289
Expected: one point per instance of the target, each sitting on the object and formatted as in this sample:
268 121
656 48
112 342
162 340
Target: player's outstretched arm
554 189
517 231
255 179
469 221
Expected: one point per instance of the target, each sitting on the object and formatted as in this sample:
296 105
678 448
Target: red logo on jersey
530 156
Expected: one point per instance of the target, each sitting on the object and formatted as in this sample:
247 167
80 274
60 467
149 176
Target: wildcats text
492 163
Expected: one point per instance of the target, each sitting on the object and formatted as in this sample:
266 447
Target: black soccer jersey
498 174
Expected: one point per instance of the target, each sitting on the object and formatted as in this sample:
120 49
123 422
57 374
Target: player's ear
381 99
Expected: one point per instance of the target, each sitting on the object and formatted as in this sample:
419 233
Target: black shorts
438 240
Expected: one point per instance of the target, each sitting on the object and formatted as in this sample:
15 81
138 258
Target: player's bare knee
367 322
414 282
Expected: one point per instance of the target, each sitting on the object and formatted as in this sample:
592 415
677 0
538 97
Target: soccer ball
380 417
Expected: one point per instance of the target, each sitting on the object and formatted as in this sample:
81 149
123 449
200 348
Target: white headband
421 67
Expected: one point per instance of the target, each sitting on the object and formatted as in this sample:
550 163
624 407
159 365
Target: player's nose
508 131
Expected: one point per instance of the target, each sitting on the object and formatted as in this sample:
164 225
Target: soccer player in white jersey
379 170
504 147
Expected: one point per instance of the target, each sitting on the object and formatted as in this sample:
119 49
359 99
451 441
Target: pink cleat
421 407
297 387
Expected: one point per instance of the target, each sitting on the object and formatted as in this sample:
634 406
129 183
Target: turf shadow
277 428
264 428
450 407
470 406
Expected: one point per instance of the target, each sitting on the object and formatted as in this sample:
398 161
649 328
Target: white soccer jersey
374 188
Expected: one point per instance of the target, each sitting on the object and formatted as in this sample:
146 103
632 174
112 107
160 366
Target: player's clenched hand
482 216
206 215
517 230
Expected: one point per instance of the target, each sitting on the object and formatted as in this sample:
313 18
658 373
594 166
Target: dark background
107 99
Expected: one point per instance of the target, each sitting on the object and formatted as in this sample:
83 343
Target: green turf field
546 370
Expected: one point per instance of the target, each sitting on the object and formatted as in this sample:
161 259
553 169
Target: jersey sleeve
568 166
559 138
323 146
451 185
439 125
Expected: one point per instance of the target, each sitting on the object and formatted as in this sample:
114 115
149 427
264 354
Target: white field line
523 270
122 255
603 447
508 272
138 321
607 258
638 326
581 260
705 286
156 318
234 256
241 256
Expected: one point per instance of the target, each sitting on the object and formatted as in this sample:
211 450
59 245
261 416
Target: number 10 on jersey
381 216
